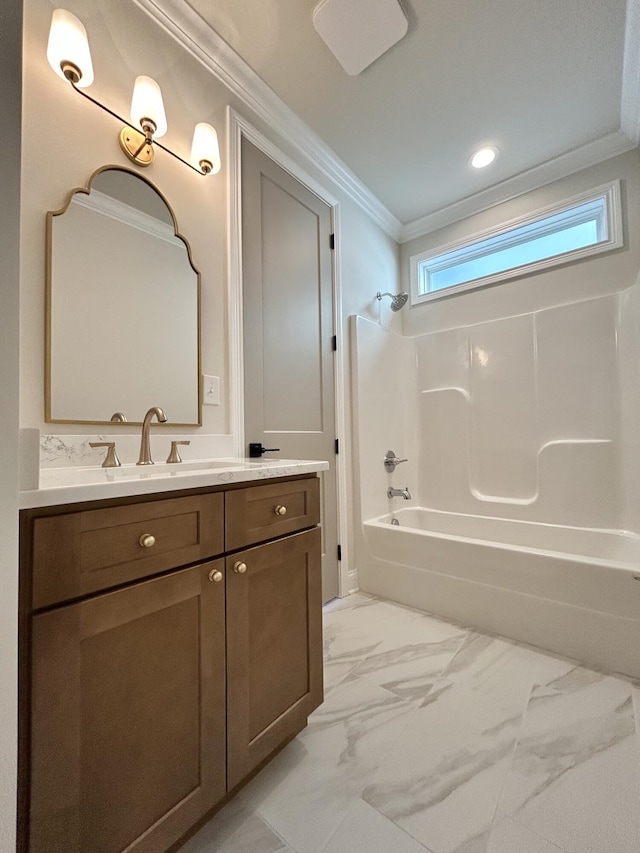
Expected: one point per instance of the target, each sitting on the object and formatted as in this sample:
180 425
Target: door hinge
332 241
334 343
339 552
337 445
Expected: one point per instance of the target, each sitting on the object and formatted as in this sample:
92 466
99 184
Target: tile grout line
384 817
516 742
437 676
537 834
445 668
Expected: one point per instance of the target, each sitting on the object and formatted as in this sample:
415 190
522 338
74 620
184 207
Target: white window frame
612 239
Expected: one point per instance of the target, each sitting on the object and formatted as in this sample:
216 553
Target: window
583 226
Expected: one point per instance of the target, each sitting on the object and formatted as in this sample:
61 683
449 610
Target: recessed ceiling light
483 157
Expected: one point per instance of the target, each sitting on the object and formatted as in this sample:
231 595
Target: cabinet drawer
259 513
84 552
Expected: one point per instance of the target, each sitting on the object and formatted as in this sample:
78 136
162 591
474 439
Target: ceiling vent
357 32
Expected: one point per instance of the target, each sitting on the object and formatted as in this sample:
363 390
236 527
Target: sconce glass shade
146 103
68 49
205 153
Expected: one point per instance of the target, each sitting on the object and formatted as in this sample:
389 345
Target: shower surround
523 460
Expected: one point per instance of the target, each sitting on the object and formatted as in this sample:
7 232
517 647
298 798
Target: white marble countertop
74 485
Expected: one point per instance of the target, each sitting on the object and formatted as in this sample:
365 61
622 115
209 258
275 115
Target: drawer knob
240 568
215 575
147 540
280 510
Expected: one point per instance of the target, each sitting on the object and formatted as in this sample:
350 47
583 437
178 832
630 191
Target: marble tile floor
435 737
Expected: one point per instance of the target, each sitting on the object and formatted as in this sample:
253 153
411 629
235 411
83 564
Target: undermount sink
193 465
131 471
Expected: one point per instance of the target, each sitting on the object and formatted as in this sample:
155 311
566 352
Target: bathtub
571 590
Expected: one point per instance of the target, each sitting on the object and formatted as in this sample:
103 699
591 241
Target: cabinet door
128 715
274 647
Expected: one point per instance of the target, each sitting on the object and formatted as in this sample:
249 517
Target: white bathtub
575 591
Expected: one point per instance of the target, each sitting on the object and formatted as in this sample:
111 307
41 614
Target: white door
288 329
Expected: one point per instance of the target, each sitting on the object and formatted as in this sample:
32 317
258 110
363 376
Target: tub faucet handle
391 461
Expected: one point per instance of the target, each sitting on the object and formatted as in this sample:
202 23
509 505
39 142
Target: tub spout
399 493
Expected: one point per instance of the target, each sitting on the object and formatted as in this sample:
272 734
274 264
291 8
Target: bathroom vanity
171 643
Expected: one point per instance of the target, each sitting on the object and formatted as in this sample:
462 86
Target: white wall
629 382
386 414
10 109
369 261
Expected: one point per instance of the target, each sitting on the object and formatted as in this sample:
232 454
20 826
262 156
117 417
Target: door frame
237 129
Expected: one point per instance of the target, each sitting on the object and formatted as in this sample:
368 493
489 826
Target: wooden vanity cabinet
153 698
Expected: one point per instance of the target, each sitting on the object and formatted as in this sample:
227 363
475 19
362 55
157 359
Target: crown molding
560 167
185 25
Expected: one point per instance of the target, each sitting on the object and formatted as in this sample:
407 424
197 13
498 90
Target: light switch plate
210 390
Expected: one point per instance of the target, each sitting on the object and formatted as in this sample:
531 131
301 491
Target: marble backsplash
56 451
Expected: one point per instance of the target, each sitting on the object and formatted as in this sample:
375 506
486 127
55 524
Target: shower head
398 300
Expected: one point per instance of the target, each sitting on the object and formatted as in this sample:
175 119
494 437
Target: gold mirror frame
48 303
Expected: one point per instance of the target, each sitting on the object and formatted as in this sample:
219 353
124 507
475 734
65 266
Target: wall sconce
69 55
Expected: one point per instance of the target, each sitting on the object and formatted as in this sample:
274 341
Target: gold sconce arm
136 145
69 56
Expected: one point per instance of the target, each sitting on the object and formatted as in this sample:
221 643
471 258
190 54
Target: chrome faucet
398 493
145 449
391 461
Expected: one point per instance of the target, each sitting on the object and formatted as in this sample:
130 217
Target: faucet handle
111 459
391 461
174 456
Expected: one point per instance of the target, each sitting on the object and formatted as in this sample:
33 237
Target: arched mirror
123 306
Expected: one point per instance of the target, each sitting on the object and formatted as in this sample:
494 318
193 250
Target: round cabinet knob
240 568
280 510
147 540
215 576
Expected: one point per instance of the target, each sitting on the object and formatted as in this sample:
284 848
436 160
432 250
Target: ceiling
537 79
